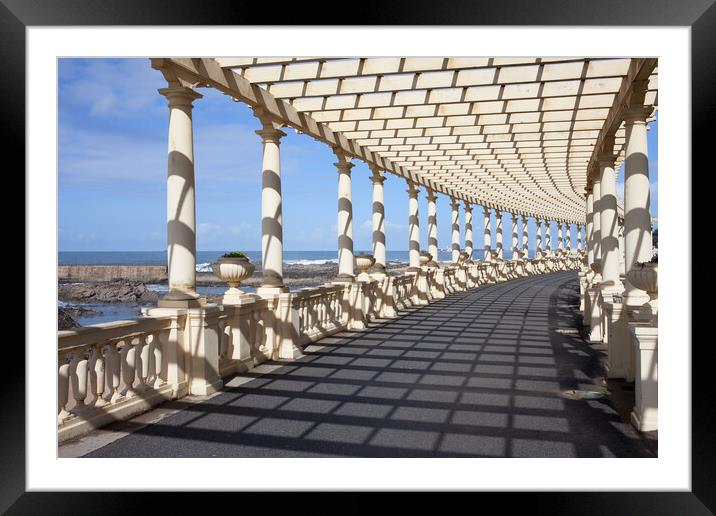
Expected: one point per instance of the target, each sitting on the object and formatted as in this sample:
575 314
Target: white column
590 228
622 261
547 239
596 221
181 200
432 226
413 227
579 237
468 230
608 222
525 239
637 219
538 237
455 230
487 240
560 239
498 232
271 208
567 237
346 260
378 221
515 237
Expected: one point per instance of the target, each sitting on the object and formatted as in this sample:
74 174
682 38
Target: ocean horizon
204 259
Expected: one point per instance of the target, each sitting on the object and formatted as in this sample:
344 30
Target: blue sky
112 172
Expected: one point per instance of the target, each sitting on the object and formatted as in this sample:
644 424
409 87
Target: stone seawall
143 273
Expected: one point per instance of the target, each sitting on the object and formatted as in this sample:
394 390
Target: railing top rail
320 291
115 330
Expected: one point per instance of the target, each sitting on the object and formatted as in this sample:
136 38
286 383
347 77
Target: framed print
388 268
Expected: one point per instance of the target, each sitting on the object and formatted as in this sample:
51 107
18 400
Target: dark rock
120 291
65 320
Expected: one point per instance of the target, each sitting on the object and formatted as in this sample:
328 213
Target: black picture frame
700 15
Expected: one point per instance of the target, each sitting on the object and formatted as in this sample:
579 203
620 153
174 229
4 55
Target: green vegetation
234 254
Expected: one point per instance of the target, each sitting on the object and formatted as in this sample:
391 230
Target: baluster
78 377
222 339
63 387
158 357
128 363
304 316
143 363
97 375
113 363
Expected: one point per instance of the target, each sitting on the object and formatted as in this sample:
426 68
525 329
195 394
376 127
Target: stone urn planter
364 262
645 276
425 258
233 270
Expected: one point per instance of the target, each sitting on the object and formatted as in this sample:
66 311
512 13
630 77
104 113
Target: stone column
637 219
487 240
608 222
432 226
547 238
181 200
271 208
413 227
378 221
468 230
538 237
498 233
567 237
579 237
515 237
525 239
596 221
560 239
455 230
590 228
622 261
346 260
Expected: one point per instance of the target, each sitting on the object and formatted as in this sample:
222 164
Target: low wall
143 273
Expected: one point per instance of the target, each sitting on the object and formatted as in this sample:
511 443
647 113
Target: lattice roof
518 134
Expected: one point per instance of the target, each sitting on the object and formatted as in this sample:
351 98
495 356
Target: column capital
468 206
524 219
515 217
636 114
454 203
344 160
607 159
270 135
377 176
180 96
432 196
413 188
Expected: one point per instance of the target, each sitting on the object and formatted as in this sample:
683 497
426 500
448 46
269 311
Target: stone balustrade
113 371
320 312
403 287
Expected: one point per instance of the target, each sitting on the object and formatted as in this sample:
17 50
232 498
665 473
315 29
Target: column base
646 423
344 278
197 302
271 290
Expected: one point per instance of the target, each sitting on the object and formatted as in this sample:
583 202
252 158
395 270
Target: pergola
518 134
529 136
535 137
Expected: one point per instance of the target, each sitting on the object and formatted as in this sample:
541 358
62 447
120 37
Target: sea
107 312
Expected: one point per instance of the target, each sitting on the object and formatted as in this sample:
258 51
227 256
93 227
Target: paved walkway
480 374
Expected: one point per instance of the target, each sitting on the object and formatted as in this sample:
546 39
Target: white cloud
118 88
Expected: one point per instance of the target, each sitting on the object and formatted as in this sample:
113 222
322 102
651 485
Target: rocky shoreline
127 291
